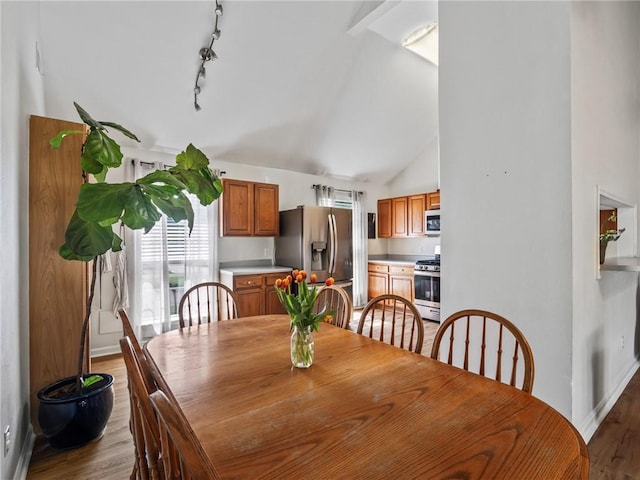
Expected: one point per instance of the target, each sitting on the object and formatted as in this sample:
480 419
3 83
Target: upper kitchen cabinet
402 217
249 209
415 215
384 218
399 217
433 200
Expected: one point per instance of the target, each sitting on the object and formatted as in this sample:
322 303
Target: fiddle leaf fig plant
138 204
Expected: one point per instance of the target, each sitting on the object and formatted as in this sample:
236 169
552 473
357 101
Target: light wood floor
613 448
109 458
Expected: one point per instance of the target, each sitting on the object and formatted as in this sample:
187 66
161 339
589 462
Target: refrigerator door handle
334 245
331 245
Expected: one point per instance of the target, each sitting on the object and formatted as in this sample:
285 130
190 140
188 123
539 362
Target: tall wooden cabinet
249 209
57 287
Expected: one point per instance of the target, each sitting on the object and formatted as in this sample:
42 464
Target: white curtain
360 252
165 262
325 196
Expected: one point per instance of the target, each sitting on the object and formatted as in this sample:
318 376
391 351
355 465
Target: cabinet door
378 284
266 210
271 300
384 218
415 213
433 200
399 217
273 305
250 302
237 208
401 282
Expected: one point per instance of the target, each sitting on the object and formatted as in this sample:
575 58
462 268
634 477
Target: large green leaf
177 207
103 149
56 141
86 118
121 129
103 202
66 253
90 164
161 176
87 239
191 159
139 211
198 185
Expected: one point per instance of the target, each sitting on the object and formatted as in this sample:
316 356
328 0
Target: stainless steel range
426 278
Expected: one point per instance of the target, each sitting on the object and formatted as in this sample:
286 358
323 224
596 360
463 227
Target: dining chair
207 302
143 423
182 454
394 320
334 297
479 341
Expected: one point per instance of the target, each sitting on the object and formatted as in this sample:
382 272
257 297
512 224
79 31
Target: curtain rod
317 185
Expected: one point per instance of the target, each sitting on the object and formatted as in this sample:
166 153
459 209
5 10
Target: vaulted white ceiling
318 87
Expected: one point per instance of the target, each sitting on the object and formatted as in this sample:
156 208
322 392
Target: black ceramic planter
75 421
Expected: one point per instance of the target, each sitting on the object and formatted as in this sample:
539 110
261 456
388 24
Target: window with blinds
168 251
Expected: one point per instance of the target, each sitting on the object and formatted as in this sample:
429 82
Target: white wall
21 96
506 174
420 176
605 58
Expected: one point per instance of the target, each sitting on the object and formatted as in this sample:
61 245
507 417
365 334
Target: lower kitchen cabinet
378 280
390 278
401 281
255 293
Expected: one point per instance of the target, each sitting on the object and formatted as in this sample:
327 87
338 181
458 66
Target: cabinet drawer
406 270
376 267
247 281
270 279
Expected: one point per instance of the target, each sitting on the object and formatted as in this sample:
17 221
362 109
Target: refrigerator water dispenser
318 255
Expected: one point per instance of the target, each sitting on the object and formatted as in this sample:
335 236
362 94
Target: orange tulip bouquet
301 309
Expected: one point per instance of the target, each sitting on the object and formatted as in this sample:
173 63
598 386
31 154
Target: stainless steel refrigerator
318 240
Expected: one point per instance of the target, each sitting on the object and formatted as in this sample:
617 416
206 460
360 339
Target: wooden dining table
363 410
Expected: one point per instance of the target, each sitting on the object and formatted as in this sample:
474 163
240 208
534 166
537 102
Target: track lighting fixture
207 54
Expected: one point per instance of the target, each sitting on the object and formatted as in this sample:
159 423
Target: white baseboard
103 351
597 415
25 455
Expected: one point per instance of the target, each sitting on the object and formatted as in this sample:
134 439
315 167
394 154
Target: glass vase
301 347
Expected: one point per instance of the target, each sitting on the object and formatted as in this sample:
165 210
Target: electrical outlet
622 342
6 439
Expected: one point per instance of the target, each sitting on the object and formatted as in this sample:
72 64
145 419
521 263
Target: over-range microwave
432 222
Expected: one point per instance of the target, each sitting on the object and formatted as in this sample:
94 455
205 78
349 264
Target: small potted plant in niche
609 236
75 410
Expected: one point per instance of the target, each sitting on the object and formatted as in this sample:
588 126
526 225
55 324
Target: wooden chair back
394 320
143 423
141 356
182 454
337 299
207 302
475 341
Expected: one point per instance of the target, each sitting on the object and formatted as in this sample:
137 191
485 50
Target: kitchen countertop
393 262
253 270
398 259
